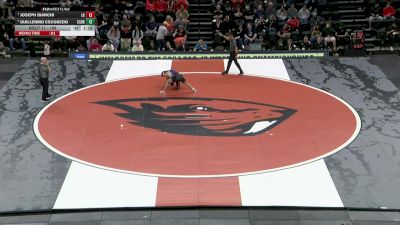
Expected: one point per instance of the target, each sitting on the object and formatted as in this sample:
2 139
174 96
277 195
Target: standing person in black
44 71
233 53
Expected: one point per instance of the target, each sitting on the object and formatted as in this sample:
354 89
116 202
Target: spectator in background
160 6
200 46
103 27
137 47
237 3
76 3
170 25
46 49
183 14
150 33
239 36
315 33
89 42
228 11
259 12
274 2
180 3
160 37
254 4
304 14
108 47
117 6
126 38
95 46
116 21
180 36
282 14
329 33
293 23
2 8
227 25
270 10
129 9
288 3
319 43
305 44
3 33
171 5
342 37
12 39
137 35
216 26
272 23
10 9
114 36
316 20
150 6
261 25
137 22
80 47
218 12
151 27
248 14
99 13
4 51
214 3
375 15
179 21
312 4
238 16
125 23
250 35
283 34
65 3
389 12
290 45
292 11
25 3
59 43
71 42
393 35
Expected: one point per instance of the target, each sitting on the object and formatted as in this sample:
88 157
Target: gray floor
8 67
211 216
30 175
390 65
366 173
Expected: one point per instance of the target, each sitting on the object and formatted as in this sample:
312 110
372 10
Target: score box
90 21
90 14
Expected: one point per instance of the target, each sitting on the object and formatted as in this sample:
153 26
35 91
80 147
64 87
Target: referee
233 53
44 71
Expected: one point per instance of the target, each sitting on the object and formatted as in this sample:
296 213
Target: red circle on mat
80 129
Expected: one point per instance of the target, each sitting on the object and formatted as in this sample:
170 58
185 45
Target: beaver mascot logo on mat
201 116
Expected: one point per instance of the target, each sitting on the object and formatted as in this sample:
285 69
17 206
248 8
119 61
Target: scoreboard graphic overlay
58 22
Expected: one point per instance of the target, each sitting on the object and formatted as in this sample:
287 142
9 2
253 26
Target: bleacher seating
351 14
